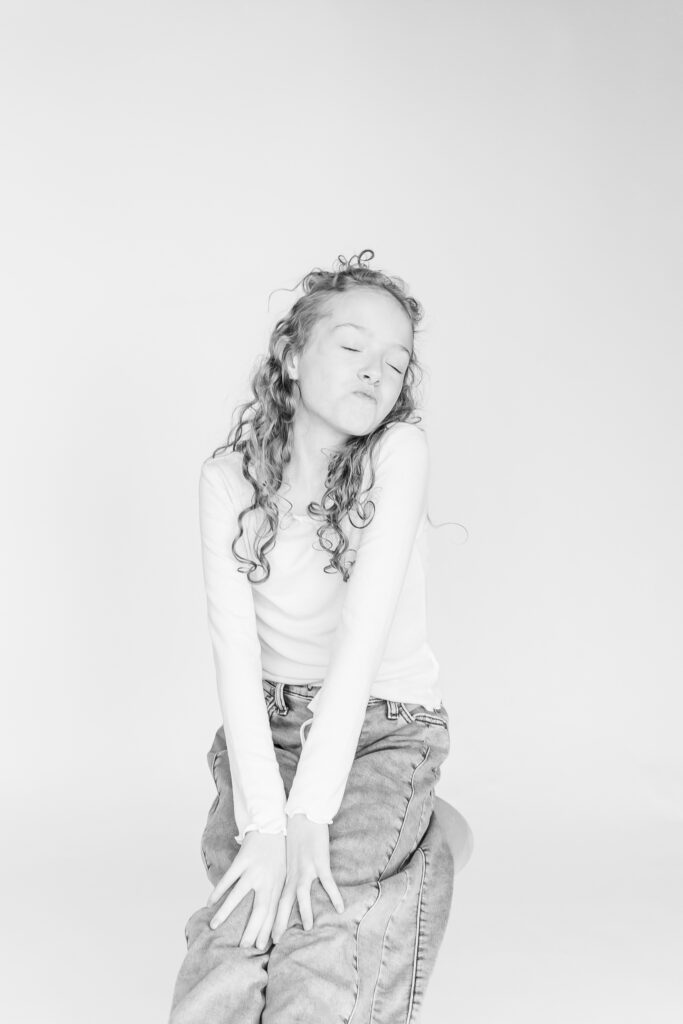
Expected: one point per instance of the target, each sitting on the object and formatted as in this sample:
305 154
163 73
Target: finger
226 908
267 933
330 886
304 896
264 936
230 876
255 923
283 913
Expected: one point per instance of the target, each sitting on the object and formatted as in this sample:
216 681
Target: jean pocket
438 718
219 825
213 758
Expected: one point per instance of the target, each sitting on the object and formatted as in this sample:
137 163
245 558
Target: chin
365 424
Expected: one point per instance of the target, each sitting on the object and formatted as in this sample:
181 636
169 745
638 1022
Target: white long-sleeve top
366 637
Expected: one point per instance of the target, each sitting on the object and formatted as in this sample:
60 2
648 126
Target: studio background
166 167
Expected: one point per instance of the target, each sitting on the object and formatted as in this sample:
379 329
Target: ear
292 364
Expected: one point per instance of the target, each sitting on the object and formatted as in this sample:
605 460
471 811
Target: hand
261 865
308 858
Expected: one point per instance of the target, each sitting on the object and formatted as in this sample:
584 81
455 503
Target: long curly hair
261 431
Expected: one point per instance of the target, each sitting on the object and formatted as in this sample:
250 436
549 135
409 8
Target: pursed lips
366 395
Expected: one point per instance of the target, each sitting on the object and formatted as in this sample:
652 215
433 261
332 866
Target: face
362 343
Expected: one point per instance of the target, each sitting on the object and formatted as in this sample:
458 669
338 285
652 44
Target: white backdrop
165 167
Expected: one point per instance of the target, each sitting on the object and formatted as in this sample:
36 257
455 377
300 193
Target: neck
312 444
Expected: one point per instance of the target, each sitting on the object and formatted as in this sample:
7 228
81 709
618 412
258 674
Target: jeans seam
355 952
384 936
418 925
418 838
425 755
212 809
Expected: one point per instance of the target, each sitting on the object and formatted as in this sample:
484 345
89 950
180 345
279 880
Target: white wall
166 166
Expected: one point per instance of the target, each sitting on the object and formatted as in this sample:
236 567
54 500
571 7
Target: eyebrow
358 327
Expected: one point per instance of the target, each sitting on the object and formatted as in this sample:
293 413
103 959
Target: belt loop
280 702
392 709
408 715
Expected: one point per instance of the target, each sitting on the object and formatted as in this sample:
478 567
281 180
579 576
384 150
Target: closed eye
349 349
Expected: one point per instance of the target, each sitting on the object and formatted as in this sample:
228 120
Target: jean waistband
308 690
304 689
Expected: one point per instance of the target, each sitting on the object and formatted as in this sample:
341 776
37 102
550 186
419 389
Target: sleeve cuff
281 830
320 820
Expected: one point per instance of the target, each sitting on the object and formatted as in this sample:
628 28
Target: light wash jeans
389 858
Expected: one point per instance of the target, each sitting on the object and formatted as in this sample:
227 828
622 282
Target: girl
332 879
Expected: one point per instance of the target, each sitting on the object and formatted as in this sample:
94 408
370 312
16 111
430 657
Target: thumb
234 872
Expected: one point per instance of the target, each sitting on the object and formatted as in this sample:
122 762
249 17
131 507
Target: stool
458 833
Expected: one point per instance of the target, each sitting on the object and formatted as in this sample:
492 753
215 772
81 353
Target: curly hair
266 419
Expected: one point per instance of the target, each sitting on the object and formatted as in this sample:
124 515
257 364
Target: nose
371 374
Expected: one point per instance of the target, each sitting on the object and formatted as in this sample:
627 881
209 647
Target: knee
227 934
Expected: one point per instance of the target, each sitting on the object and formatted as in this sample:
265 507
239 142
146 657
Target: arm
258 790
400 497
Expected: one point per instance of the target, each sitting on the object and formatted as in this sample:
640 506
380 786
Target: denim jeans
389 858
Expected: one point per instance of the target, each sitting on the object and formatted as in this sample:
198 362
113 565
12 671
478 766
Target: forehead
374 309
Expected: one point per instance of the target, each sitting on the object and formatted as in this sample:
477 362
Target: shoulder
401 441
224 473
400 456
406 431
